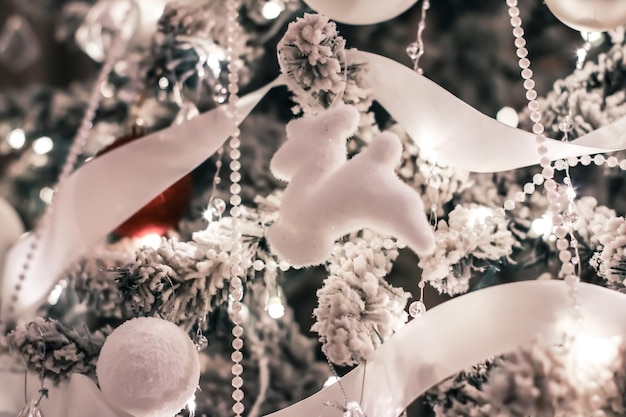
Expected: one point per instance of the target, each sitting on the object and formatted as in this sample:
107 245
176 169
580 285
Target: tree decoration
358 310
610 260
313 57
472 238
67 351
461 395
328 197
148 367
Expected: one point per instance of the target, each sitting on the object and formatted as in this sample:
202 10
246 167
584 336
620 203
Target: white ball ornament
360 12
148 367
589 15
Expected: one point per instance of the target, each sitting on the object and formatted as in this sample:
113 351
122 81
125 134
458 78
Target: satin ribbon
462 332
455 134
447 339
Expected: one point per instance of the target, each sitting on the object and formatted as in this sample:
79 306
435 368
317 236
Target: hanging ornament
329 196
30 410
360 12
162 213
589 15
148 367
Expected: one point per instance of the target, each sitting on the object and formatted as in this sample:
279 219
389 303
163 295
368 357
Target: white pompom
148 367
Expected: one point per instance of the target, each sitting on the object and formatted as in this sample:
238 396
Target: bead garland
562 220
236 291
76 149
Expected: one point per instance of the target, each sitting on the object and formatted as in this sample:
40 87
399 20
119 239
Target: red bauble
162 213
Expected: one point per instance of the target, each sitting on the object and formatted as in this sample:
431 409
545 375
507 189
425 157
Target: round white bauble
360 12
148 367
589 15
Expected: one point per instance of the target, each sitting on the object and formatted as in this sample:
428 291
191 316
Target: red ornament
162 213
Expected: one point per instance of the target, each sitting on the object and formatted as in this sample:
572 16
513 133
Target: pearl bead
237 343
509 205
529 188
237 382
548 172
237 369
585 160
527 73
598 159
258 265
238 408
611 162
236 356
238 395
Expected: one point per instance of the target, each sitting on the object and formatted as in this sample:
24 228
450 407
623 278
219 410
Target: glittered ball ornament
589 15
164 211
148 367
360 12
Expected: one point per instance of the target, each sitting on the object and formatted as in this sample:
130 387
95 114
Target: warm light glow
271 10
191 405
275 308
46 195
43 145
151 240
592 356
478 215
16 139
594 38
57 291
508 116
571 194
330 381
163 83
542 226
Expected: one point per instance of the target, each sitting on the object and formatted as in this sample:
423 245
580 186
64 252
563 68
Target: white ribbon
462 332
108 190
446 340
455 134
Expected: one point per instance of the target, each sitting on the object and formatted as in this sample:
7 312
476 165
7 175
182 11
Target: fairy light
330 381
508 116
275 308
151 240
271 10
46 194
57 291
542 226
16 139
43 145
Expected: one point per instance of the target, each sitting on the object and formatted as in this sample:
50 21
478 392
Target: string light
43 145
16 139
271 10
508 116
151 240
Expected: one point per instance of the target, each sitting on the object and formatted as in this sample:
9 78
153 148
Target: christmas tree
256 206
